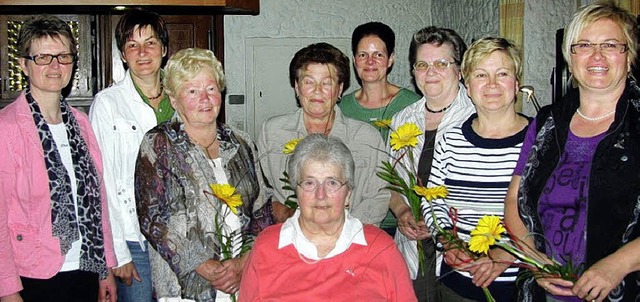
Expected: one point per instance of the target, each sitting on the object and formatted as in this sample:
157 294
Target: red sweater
375 272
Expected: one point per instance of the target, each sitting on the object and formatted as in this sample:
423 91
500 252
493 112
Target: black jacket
613 205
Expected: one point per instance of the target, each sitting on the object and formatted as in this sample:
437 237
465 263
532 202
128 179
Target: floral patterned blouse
178 214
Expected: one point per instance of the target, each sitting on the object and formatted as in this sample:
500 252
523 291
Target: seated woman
475 162
178 163
319 73
323 253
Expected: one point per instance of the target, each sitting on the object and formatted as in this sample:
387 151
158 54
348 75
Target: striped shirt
476 172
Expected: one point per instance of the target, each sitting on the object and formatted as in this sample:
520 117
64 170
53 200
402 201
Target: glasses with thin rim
46 59
607 47
331 185
438 65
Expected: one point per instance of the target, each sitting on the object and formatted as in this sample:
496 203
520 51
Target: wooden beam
251 7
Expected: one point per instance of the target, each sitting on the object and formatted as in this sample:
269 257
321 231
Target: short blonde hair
186 64
482 48
596 12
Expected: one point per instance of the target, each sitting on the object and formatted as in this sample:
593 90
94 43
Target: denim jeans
137 291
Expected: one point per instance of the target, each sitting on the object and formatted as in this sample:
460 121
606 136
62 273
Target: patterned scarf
65 222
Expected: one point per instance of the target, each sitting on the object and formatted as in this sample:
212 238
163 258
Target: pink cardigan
27 247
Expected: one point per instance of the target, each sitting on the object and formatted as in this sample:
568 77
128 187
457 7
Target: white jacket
460 110
120 118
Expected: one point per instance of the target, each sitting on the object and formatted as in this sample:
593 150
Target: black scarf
66 225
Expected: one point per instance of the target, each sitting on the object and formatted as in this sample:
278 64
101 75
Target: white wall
311 18
541 21
337 18
471 19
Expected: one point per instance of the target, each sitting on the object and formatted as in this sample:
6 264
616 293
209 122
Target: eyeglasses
587 48
331 185
438 64
46 59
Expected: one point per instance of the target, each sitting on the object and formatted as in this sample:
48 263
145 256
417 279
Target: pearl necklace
594 119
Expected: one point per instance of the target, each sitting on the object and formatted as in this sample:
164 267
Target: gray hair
317 147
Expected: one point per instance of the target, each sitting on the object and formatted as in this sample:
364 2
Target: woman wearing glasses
436 54
322 253
577 179
55 238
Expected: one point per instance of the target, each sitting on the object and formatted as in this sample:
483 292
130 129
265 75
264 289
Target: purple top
563 203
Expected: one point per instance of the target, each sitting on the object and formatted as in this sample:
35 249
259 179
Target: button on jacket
120 118
27 247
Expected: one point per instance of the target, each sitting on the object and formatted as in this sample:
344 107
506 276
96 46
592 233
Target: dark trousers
425 286
71 286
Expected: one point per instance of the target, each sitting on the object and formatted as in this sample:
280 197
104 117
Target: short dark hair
378 29
322 53
437 36
140 18
44 26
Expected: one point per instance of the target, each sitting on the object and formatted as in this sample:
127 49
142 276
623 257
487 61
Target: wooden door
268 89
201 31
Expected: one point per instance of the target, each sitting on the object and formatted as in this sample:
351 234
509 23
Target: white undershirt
59 132
231 220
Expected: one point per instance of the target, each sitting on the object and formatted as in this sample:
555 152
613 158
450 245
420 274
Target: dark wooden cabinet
95 35
12 81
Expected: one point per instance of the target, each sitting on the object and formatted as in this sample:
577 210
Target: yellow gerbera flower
226 193
383 123
431 193
290 146
485 234
406 135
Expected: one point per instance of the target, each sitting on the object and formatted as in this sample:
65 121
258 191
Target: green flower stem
520 255
553 269
488 295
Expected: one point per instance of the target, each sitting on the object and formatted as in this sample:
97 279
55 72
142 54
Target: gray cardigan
369 200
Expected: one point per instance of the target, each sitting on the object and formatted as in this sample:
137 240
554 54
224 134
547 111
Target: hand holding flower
224 275
602 277
556 286
407 224
227 277
496 263
457 256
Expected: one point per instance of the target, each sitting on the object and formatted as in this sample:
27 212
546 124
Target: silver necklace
594 119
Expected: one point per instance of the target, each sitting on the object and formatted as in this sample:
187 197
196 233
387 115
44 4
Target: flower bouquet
489 232
404 140
228 227
449 238
292 200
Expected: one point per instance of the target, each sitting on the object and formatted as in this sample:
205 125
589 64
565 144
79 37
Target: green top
351 108
164 111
